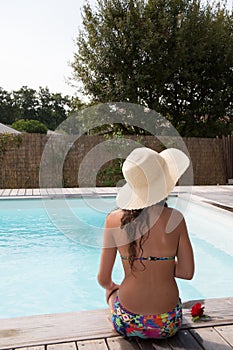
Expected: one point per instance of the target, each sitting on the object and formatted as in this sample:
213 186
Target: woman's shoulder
114 217
115 212
174 218
175 212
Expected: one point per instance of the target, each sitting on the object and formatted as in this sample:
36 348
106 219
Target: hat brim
176 163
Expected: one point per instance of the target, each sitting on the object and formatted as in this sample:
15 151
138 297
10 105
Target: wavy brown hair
136 223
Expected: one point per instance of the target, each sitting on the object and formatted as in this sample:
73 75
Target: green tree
26 103
30 126
109 49
7 107
200 92
173 56
46 107
53 108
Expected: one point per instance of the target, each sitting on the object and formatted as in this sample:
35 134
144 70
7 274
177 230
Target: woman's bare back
151 287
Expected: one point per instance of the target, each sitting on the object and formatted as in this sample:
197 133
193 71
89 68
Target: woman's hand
114 287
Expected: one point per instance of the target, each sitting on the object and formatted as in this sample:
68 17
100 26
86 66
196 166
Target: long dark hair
136 223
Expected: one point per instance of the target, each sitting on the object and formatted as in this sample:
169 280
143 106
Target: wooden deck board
97 344
34 348
14 192
119 343
36 191
6 192
154 344
184 341
227 333
93 330
62 346
219 310
28 192
210 339
47 329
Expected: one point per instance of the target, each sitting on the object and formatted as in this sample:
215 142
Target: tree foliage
173 56
30 126
48 108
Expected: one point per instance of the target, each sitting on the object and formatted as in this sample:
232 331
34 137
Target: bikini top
150 258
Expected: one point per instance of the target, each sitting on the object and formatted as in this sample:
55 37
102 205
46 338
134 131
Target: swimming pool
44 270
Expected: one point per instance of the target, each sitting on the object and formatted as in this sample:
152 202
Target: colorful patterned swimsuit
158 326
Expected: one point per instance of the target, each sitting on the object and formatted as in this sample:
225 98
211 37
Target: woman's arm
107 259
184 266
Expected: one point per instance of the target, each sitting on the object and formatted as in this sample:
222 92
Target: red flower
197 310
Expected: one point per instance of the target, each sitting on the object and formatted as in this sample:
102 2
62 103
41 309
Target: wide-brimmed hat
150 176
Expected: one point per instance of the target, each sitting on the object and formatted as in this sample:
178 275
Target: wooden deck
220 195
92 330
8 193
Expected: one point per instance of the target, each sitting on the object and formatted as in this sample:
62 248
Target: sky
37 43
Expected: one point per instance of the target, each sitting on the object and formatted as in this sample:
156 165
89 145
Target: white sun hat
150 176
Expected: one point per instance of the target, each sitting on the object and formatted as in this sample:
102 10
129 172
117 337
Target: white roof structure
8 130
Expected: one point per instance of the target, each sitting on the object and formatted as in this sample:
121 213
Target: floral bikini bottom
159 326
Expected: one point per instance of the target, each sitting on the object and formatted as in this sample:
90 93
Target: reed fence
227 144
20 160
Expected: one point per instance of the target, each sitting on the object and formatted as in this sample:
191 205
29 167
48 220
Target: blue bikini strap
150 258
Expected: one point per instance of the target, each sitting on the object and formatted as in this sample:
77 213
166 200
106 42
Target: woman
153 243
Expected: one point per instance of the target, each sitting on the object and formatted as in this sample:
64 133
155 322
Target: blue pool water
50 249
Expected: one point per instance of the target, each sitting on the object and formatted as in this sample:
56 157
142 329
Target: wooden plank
44 192
14 192
98 344
59 191
75 190
183 340
51 191
55 328
62 346
28 192
210 339
33 348
154 344
21 192
68 191
82 191
219 312
36 191
6 192
119 343
226 332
